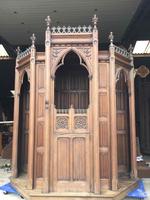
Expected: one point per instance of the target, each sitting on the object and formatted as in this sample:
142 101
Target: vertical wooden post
114 160
95 109
16 122
132 119
47 108
31 115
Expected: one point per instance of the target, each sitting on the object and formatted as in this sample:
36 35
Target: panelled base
21 186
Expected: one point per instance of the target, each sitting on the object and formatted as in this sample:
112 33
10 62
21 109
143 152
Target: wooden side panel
79 159
104 124
71 163
39 138
63 159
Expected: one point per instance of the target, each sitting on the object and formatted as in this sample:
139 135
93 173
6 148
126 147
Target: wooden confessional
74 123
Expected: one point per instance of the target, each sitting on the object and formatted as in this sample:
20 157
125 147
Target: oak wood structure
74 118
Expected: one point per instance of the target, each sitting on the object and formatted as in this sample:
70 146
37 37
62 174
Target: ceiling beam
135 26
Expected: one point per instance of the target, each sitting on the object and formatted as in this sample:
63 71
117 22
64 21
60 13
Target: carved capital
90 77
53 77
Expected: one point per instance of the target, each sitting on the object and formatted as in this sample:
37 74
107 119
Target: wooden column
47 109
132 120
16 123
114 161
31 115
95 109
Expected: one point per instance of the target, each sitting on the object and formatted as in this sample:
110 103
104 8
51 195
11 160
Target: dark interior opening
71 84
142 103
23 126
123 127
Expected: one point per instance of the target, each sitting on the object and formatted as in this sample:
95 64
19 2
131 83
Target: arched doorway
123 130
23 126
71 128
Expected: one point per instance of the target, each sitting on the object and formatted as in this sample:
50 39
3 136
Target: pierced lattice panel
80 122
62 122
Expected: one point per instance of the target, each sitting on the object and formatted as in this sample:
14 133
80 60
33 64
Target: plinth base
21 186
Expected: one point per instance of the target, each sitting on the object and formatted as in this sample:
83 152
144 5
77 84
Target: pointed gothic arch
82 58
72 83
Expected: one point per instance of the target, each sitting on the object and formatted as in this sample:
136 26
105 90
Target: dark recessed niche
15 12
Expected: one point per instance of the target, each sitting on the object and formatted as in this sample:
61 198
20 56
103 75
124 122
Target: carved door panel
71 151
123 144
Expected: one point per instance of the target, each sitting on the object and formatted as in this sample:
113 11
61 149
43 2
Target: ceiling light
3 51
141 46
147 50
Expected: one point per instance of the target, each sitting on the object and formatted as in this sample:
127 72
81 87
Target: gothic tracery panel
62 122
80 122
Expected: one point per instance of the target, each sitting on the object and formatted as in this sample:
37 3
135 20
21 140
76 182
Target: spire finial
95 20
111 38
18 50
130 49
33 38
48 21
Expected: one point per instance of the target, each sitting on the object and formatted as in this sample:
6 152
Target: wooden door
72 150
71 129
23 128
123 135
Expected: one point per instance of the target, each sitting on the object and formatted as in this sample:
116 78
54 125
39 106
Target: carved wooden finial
130 49
33 38
48 21
95 20
111 38
18 50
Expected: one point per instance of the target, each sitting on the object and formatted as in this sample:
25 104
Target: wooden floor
21 185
